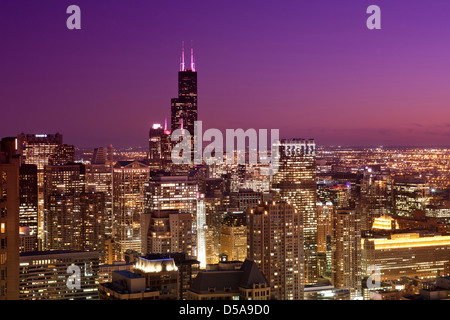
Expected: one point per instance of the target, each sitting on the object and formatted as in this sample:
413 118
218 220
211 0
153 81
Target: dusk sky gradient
309 68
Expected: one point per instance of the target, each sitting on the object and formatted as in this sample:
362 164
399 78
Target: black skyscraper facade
184 108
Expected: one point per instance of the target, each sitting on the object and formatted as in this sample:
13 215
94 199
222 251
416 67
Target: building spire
182 65
192 57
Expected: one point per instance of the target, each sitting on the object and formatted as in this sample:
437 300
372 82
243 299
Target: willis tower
184 108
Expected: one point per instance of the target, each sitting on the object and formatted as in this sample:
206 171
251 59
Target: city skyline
312 70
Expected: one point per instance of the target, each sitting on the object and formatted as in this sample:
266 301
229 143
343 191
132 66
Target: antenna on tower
165 124
182 65
192 57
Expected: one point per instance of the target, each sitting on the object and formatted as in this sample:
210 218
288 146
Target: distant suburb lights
74 20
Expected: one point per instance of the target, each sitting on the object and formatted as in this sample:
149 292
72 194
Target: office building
409 194
375 195
28 197
184 107
406 255
38 149
59 275
233 237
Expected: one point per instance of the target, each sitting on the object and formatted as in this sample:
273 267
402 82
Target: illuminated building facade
159 147
275 244
375 195
295 183
63 186
28 195
184 108
346 250
409 194
168 231
174 193
99 178
38 149
62 154
325 212
187 267
9 220
406 255
44 275
171 193
233 237
129 178
160 275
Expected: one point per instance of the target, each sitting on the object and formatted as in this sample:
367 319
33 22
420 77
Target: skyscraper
184 108
63 187
346 249
29 201
275 243
295 183
233 237
375 198
159 146
128 204
39 149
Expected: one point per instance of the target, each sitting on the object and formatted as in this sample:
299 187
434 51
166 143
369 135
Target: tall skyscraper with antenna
184 108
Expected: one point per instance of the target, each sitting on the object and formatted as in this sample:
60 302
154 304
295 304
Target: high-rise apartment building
295 183
174 193
275 244
128 204
168 231
346 250
63 186
99 178
9 220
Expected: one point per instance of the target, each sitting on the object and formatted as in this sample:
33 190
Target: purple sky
309 68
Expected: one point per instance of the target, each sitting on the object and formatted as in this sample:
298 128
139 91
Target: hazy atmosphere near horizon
311 69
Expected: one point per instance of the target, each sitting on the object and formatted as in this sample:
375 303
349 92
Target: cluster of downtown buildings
152 229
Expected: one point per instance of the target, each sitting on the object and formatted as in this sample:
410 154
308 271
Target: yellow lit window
2 227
